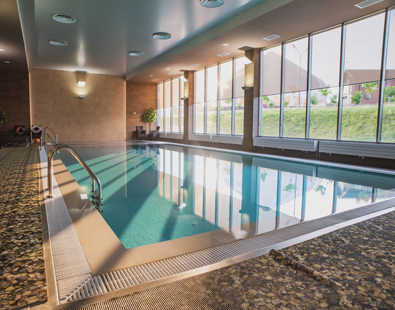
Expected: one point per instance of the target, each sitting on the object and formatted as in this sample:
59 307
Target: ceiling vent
223 54
136 53
271 37
367 3
64 18
162 35
58 42
194 65
211 3
171 73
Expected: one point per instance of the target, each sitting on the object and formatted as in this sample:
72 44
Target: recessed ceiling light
7 62
151 76
271 37
155 80
58 42
367 3
136 53
167 68
211 3
1 50
162 35
171 73
223 54
194 65
64 18
225 44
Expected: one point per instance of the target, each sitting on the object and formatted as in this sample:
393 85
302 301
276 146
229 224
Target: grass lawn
358 122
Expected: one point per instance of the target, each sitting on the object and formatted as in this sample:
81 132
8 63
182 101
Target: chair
154 133
141 135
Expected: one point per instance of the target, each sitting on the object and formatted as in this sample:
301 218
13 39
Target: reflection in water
157 193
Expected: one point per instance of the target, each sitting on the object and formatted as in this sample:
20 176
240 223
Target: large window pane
364 41
226 80
199 101
182 105
325 66
239 75
160 106
388 125
239 116
175 84
295 114
225 125
295 81
270 88
167 103
212 97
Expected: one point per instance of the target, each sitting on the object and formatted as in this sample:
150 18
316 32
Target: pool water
161 192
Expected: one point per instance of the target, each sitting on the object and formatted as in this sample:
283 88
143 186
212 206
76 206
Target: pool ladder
96 196
45 134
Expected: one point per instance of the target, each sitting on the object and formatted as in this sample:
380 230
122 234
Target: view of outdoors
219 97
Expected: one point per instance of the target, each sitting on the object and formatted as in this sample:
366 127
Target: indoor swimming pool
160 192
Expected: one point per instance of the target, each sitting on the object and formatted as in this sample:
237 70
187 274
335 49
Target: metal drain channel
129 277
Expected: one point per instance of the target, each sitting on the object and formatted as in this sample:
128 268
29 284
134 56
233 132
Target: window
225 97
270 91
239 94
295 84
325 71
364 41
175 94
160 106
388 123
199 102
167 103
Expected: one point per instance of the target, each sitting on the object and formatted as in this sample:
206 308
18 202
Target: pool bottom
105 252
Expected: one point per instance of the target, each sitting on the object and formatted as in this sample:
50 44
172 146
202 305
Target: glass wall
388 123
218 90
362 64
284 81
295 85
170 111
324 98
270 91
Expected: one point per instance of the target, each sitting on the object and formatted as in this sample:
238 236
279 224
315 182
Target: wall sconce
81 97
249 75
81 78
81 83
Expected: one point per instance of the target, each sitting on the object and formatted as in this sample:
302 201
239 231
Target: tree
263 176
389 94
334 99
286 103
325 92
370 87
3 117
314 99
149 117
357 97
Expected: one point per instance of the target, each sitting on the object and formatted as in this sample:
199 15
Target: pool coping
89 217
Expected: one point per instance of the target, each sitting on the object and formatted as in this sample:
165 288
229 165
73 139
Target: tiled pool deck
361 258
22 277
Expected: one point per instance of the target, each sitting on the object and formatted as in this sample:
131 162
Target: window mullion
218 105
233 95
341 82
308 93
282 90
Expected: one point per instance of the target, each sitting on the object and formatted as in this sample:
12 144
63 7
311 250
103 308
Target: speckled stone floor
22 277
361 258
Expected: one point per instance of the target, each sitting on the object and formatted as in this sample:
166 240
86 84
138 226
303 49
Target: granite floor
359 258
22 277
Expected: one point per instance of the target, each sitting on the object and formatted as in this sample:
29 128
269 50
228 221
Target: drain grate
133 276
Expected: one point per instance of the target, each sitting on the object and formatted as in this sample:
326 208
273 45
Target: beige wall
101 115
139 98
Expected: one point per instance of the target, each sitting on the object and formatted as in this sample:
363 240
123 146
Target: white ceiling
107 30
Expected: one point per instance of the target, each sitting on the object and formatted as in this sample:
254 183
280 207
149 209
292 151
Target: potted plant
149 117
3 118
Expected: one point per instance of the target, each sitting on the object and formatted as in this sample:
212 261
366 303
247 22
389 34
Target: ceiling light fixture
271 37
136 53
167 68
7 62
58 42
162 35
367 3
225 44
155 80
223 54
194 65
81 84
211 3
64 18
151 76
171 73
1 50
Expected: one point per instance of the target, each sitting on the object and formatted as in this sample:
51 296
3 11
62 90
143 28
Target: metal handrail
45 131
45 140
96 197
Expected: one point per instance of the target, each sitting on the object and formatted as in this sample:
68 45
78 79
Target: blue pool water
154 193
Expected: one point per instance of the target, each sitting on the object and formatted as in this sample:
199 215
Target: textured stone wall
14 99
139 98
